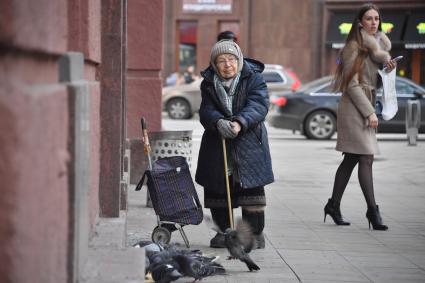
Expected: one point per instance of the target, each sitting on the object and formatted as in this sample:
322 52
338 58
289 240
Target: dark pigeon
239 243
192 267
164 272
147 265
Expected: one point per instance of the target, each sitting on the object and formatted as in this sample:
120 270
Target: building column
111 106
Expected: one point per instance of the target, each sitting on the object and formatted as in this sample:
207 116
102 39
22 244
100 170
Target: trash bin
413 120
170 143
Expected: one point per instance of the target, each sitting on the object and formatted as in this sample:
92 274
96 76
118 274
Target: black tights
343 175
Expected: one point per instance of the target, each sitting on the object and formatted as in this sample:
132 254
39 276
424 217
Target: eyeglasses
230 61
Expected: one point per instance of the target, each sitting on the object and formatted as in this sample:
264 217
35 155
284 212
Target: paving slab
300 247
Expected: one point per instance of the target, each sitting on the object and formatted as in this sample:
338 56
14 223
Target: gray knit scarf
226 100
225 90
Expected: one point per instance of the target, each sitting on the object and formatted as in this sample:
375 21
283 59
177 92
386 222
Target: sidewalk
299 246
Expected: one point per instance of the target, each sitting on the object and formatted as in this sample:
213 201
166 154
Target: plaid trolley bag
173 196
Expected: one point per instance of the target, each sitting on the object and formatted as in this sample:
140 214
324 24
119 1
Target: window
272 77
403 88
187 43
327 88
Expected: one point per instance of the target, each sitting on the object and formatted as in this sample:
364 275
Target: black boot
220 217
332 208
256 221
374 216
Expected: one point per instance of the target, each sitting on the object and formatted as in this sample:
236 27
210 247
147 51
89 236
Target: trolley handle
143 122
147 146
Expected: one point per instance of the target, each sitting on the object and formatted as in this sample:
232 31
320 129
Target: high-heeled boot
332 208
374 216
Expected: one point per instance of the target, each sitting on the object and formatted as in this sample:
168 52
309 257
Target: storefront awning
340 25
414 36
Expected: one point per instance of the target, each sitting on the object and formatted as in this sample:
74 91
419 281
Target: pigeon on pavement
239 243
169 263
164 272
195 268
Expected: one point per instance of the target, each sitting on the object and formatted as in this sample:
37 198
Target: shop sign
344 28
421 28
387 28
414 37
207 6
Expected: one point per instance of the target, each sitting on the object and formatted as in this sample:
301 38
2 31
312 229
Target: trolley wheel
161 235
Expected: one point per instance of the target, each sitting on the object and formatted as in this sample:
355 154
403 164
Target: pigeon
197 254
239 243
149 246
169 263
159 257
192 267
142 243
147 265
164 272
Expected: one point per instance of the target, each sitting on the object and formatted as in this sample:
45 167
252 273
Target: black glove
226 129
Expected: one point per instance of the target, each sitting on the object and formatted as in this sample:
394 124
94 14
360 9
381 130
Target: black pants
254 218
252 201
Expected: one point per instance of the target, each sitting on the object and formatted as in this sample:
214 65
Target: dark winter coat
250 149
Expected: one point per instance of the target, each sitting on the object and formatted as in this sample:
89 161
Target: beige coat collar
378 46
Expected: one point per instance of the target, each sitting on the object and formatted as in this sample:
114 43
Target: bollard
413 120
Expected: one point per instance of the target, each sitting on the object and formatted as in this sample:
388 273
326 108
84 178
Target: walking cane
229 200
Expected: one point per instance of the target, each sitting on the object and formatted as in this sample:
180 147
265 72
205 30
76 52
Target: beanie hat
226 47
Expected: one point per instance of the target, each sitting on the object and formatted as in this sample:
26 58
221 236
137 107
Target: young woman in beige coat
366 51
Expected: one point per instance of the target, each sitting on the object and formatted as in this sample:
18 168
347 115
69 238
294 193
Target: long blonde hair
341 81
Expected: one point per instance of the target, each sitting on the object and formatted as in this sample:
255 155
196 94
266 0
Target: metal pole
413 120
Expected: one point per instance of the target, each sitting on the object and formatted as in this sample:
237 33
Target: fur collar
377 47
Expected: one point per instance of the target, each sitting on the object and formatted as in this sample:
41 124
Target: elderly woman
234 105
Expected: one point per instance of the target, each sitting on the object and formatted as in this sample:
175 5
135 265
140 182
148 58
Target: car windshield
314 84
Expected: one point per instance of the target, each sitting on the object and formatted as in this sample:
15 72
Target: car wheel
178 108
320 125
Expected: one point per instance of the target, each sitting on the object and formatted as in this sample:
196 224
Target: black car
312 109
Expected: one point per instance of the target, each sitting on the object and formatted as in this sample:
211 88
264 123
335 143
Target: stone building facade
75 78
300 35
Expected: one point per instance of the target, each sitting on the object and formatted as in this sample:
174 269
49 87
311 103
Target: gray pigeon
192 267
147 265
239 243
164 272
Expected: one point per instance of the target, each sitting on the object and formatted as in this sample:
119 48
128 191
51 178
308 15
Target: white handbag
389 96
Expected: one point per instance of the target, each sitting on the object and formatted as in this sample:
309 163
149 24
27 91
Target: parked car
312 109
182 101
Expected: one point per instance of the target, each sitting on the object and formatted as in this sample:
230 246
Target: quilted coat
250 149
357 102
